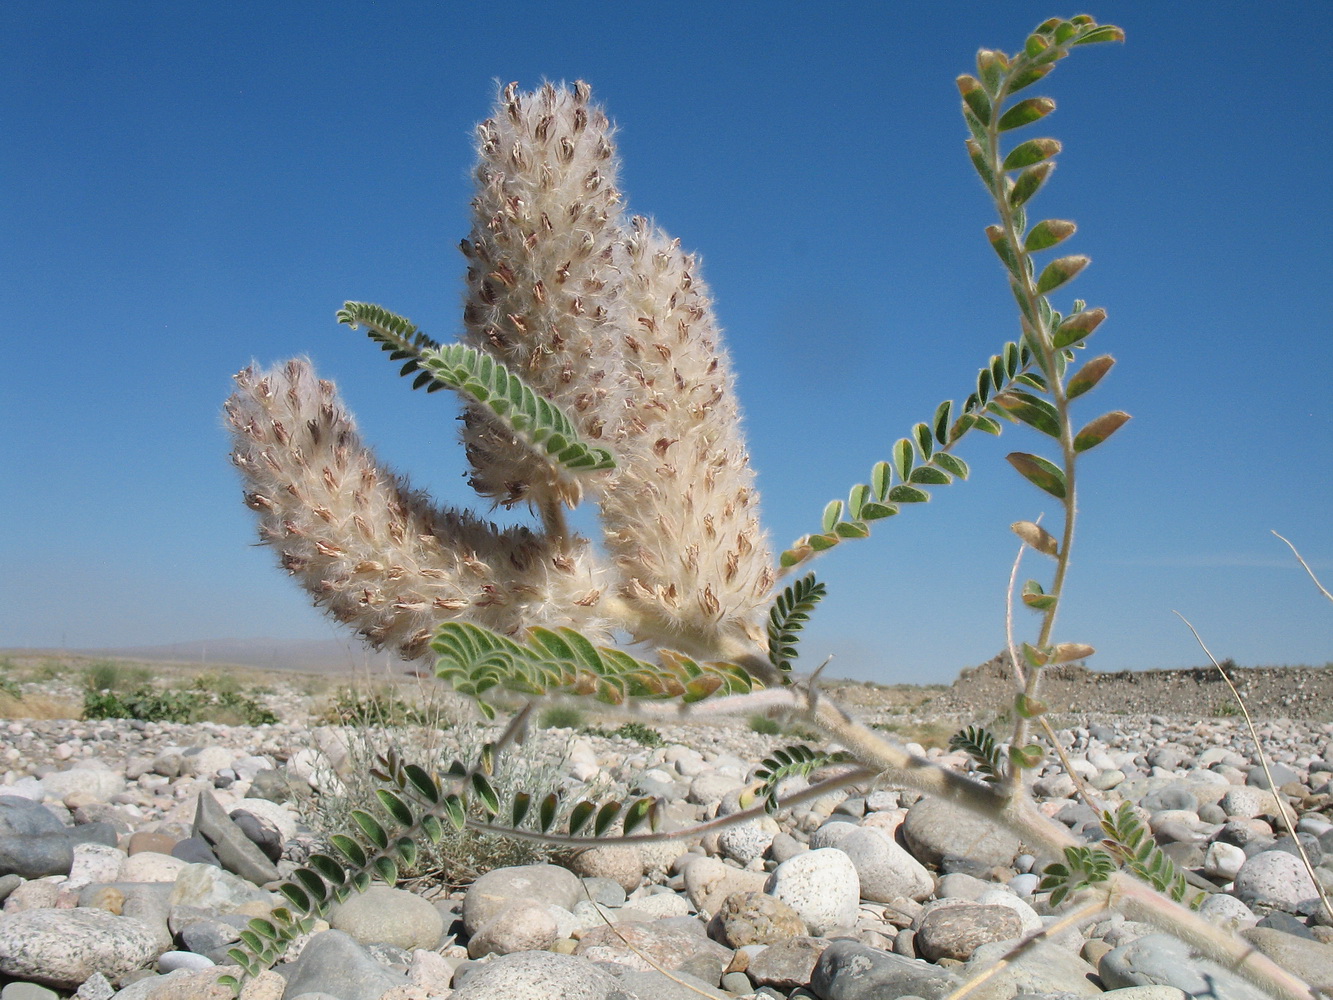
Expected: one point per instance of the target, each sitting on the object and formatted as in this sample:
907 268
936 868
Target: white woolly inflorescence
371 550
606 317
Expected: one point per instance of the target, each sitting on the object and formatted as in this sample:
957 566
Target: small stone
537 974
1277 879
621 863
885 871
822 886
746 918
500 886
523 925
390 916
956 931
333 961
62 948
1223 861
936 829
785 965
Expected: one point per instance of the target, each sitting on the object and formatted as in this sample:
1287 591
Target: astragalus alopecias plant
591 367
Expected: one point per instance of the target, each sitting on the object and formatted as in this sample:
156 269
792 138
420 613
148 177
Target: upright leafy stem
1013 178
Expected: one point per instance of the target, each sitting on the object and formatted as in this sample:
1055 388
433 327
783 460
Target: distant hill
332 656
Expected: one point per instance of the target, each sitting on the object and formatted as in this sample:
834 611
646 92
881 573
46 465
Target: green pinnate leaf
579 816
1025 112
1099 429
1077 327
1040 472
881 478
854 529
832 514
1102 33
925 475
1028 183
1025 154
974 96
856 499
951 464
386 870
980 744
1092 372
788 616
1032 410
1060 272
349 849
902 493
394 806
877 511
1048 233
903 459
485 793
1035 597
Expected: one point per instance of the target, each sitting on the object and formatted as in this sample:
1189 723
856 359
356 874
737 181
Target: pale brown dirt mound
1200 693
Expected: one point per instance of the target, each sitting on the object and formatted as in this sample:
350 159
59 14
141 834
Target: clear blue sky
185 187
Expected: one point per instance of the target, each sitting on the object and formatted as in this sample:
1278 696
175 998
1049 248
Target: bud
1036 536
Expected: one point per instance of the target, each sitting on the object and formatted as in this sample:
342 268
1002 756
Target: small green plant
149 704
109 675
764 726
638 732
561 717
591 366
1225 709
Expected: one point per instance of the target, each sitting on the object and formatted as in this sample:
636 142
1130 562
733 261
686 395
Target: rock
1158 959
744 842
86 777
27 991
149 867
785 965
822 886
680 986
523 925
1277 879
532 974
655 907
334 963
62 948
390 916
1250 803
621 863
195 851
1227 911
957 930
884 869
708 882
936 829
672 944
260 832
711 787
209 888
1310 960
754 918
847 970
1047 969
94 863
1282 775
1223 861
206 762
496 889
36 855
229 843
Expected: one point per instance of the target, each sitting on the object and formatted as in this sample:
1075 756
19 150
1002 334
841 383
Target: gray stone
237 852
1282 775
334 963
95 987
27 991
884 869
957 931
523 925
23 816
62 948
261 832
822 886
36 855
1176 795
390 916
1047 969
88 777
1277 879
195 851
1161 960
847 970
743 842
675 943
936 829
682 985
746 918
1310 960
787 964
537 974
212 889
497 888
621 863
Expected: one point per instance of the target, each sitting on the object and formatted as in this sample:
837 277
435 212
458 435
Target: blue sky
186 187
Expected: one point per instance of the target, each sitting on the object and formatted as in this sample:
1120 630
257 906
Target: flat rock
959 930
936 829
532 974
390 916
335 963
237 852
847 970
62 948
671 944
1161 960
754 918
498 888
785 965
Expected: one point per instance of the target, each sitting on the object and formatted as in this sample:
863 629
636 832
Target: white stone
1223 861
821 886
